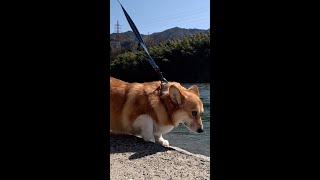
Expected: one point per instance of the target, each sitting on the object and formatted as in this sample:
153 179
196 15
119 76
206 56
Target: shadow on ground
122 143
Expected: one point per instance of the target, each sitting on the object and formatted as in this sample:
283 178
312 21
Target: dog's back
128 101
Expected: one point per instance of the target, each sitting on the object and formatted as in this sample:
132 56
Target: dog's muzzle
200 130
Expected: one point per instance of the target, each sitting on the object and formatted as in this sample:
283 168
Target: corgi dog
140 109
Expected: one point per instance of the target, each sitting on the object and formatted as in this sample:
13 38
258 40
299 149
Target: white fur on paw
163 142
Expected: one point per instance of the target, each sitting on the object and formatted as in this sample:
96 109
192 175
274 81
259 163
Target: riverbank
132 158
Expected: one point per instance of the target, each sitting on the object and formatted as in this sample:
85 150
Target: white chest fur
145 126
146 123
161 129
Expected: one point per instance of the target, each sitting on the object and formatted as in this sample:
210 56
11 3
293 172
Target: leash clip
163 86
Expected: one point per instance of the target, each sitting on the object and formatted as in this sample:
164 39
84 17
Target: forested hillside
128 38
126 41
183 60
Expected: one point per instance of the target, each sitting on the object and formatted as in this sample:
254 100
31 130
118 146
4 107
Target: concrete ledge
132 158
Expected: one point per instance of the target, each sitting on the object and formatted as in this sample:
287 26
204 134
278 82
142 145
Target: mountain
175 33
128 39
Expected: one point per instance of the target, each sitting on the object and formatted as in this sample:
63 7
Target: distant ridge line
157 37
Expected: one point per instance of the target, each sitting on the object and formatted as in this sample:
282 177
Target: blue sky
152 16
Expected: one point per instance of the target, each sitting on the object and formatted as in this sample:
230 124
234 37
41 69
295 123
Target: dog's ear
194 89
176 95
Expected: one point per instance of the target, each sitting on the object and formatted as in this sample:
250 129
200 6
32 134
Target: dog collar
163 87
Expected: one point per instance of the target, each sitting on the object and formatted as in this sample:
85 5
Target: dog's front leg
145 124
159 139
146 133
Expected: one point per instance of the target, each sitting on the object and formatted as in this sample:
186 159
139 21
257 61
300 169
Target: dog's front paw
163 142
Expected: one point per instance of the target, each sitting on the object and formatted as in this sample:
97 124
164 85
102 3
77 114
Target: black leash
143 45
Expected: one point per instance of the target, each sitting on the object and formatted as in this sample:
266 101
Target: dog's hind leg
144 123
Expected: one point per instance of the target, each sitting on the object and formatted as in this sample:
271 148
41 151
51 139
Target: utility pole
117 30
117 27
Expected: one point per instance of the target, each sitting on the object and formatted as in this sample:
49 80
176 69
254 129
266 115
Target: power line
182 13
174 20
195 15
178 22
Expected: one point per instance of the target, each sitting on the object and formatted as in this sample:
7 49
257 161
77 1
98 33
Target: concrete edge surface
206 158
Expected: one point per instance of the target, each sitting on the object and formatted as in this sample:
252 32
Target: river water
183 138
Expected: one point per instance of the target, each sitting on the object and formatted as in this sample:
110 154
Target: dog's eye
194 113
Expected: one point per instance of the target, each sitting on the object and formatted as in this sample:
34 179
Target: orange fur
128 101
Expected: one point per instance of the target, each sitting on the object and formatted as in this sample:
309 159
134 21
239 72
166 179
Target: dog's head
188 107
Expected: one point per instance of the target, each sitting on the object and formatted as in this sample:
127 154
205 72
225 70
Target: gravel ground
132 158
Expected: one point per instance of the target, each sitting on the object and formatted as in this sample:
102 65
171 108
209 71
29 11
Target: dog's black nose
200 130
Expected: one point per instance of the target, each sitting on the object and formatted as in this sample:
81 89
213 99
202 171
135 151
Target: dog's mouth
189 128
